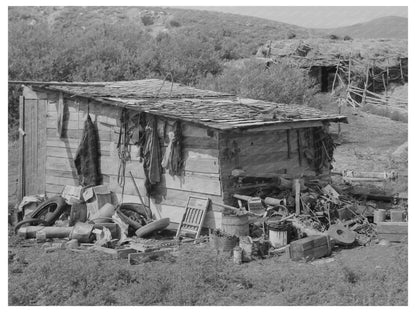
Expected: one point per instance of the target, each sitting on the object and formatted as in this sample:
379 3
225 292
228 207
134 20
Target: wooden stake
365 87
339 112
297 196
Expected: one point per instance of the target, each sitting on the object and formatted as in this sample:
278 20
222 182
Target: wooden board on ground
392 231
312 247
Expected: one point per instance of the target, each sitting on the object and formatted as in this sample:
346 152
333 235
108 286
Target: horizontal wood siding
200 150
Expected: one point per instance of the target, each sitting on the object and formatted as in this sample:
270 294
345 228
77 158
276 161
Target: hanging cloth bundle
172 159
87 158
123 149
61 115
151 155
176 158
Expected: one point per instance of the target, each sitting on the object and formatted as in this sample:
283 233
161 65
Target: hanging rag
87 158
176 157
60 113
123 149
151 155
168 153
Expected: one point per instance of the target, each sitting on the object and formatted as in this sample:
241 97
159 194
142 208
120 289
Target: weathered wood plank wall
263 154
201 175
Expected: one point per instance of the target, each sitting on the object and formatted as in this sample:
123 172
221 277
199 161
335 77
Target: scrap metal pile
293 217
87 218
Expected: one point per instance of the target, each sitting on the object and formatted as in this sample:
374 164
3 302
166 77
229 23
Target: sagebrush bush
279 83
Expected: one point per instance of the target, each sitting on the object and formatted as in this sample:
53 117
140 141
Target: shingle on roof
209 108
147 88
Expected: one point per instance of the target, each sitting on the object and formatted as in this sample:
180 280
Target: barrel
235 225
379 215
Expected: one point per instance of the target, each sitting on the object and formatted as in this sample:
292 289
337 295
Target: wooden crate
312 247
392 231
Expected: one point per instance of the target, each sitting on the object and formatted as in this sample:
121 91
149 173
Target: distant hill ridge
156 19
384 27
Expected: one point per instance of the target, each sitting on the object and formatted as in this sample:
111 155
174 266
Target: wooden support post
349 70
401 70
365 87
288 143
335 76
21 167
339 111
385 87
297 196
299 146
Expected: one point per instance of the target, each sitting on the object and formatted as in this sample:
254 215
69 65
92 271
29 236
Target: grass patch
198 276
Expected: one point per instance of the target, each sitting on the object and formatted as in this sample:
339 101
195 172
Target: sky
313 16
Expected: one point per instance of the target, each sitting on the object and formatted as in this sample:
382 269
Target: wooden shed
229 145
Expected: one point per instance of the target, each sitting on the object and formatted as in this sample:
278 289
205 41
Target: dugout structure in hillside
227 144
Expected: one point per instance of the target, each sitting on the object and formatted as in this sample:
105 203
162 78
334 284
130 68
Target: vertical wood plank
42 106
21 167
28 147
288 143
35 148
299 147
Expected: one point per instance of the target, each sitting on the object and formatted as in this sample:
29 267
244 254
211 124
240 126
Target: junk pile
86 218
305 222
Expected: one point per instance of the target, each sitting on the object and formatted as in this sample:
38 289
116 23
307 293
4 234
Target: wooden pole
335 77
339 112
385 87
401 70
297 196
349 70
137 189
365 86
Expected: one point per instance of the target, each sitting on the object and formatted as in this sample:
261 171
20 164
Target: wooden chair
194 215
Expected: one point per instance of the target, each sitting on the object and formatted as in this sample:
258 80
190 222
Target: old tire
31 221
131 213
152 227
50 210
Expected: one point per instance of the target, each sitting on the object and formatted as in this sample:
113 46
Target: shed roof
212 109
326 52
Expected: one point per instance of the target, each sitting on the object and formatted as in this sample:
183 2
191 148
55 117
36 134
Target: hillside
383 27
248 31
